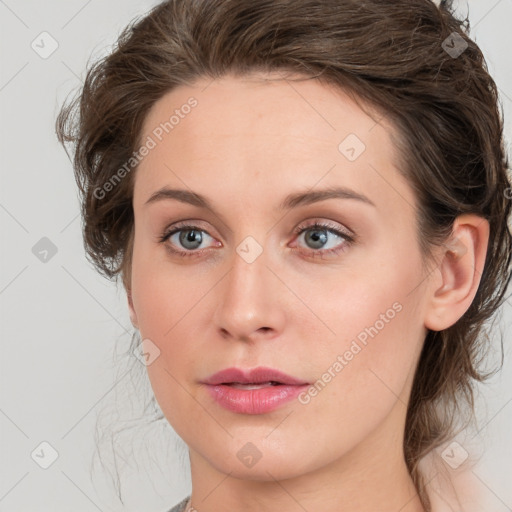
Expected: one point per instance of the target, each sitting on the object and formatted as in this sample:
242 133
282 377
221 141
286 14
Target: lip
254 376
276 389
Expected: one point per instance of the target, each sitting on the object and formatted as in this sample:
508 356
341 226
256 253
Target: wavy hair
409 60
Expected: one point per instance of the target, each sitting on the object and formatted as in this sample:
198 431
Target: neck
372 476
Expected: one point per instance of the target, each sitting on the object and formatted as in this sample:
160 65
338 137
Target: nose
250 301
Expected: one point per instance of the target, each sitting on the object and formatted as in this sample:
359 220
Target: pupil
318 238
191 236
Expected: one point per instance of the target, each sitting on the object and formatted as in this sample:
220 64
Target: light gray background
60 320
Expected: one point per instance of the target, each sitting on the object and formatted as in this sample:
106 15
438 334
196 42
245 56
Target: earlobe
459 272
133 315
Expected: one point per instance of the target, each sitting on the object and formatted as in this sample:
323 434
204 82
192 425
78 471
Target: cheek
168 300
365 374
374 334
164 294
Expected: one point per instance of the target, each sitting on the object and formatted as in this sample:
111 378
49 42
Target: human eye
187 236
322 234
324 239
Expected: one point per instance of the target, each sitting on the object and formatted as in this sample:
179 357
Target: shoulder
180 507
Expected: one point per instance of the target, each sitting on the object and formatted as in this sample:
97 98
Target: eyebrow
291 201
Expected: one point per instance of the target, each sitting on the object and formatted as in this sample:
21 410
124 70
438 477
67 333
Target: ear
133 315
457 277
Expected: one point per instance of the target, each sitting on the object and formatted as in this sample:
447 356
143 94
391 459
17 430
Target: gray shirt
180 507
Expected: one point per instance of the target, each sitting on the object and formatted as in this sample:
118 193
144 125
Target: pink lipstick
255 391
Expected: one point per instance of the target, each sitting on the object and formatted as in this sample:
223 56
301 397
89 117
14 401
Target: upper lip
258 375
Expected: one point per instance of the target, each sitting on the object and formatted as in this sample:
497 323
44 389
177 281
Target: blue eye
317 235
190 237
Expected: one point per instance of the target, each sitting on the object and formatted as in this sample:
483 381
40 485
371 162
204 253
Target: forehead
305 109
246 132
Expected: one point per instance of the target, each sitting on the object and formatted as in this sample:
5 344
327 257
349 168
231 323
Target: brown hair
392 56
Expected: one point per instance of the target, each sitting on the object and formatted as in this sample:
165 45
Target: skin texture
246 145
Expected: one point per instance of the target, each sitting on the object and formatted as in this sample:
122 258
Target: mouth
255 391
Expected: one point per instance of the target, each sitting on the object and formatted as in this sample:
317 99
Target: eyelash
321 226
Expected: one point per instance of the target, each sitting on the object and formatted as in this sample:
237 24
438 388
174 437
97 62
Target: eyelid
327 225
183 225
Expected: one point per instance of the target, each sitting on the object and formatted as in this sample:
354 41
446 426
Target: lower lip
254 401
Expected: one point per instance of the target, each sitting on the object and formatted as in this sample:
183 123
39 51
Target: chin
262 471
247 462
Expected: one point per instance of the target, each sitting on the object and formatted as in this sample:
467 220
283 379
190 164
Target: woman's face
254 285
